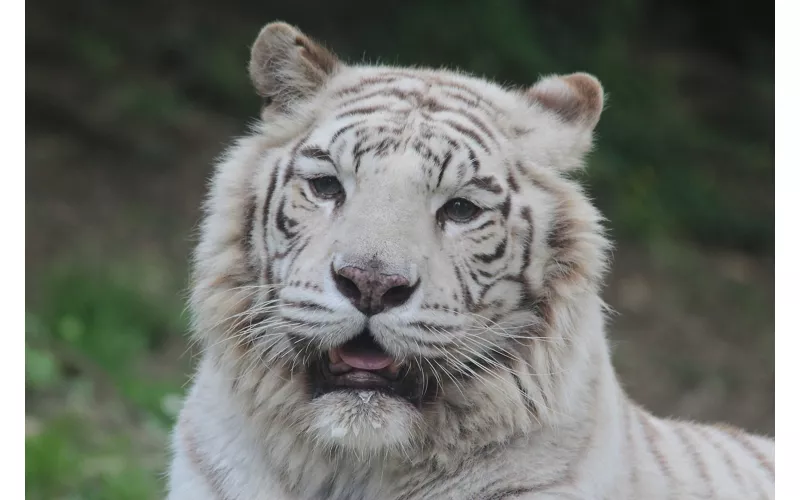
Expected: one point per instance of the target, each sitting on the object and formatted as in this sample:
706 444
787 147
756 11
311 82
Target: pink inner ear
554 94
575 98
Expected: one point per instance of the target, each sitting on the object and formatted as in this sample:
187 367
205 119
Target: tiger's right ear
286 65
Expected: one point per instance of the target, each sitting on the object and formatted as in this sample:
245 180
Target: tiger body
433 213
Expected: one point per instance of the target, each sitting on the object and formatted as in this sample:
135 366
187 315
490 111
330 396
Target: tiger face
398 246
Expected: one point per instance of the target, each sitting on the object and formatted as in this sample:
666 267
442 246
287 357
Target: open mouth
361 364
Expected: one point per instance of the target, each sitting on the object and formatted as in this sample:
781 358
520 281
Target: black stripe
486 274
317 153
526 215
487 183
434 106
342 130
425 151
304 304
464 289
523 393
466 100
385 92
307 199
512 182
366 110
265 217
248 229
486 224
447 158
382 148
372 80
499 251
298 249
473 160
481 239
467 132
505 207
284 223
478 123
456 87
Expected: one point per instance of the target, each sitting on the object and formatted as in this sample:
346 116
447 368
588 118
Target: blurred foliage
84 348
684 148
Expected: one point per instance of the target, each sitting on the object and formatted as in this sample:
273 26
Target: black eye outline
327 187
459 210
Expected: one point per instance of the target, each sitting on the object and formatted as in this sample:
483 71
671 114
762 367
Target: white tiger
397 292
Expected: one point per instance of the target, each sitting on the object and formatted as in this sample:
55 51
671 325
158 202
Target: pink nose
371 291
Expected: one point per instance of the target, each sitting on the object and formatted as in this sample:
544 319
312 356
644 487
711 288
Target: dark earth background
128 103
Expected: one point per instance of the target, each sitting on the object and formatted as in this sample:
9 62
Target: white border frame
787 245
12 369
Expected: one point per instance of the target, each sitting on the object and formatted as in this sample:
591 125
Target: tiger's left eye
459 210
327 187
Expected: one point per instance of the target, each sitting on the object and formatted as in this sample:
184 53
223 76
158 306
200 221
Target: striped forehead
434 100
449 126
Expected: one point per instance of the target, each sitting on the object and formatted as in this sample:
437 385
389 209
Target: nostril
397 295
347 287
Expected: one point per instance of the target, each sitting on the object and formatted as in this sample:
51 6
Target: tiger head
397 257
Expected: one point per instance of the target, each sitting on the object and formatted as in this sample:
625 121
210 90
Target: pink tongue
365 360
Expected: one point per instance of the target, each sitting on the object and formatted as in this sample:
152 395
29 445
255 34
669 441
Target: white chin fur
363 421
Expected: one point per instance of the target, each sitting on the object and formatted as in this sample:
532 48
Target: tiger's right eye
459 210
327 187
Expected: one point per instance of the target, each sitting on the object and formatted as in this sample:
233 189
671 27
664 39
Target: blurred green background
128 104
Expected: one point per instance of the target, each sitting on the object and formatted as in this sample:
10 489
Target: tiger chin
397 294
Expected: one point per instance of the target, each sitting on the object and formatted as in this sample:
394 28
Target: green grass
100 403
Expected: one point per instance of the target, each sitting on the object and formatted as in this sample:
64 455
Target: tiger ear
576 98
286 65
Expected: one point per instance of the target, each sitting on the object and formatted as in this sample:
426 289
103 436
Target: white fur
554 423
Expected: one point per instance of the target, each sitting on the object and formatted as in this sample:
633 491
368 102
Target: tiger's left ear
576 98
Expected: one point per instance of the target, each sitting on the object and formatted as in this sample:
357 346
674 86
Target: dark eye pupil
460 210
327 186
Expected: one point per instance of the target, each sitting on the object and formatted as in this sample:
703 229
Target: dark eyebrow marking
316 154
445 163
486 183
468 132
473 160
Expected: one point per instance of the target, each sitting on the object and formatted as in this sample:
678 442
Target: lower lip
385 381
359 379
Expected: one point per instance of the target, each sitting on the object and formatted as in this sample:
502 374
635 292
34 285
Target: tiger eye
460 210
327 187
